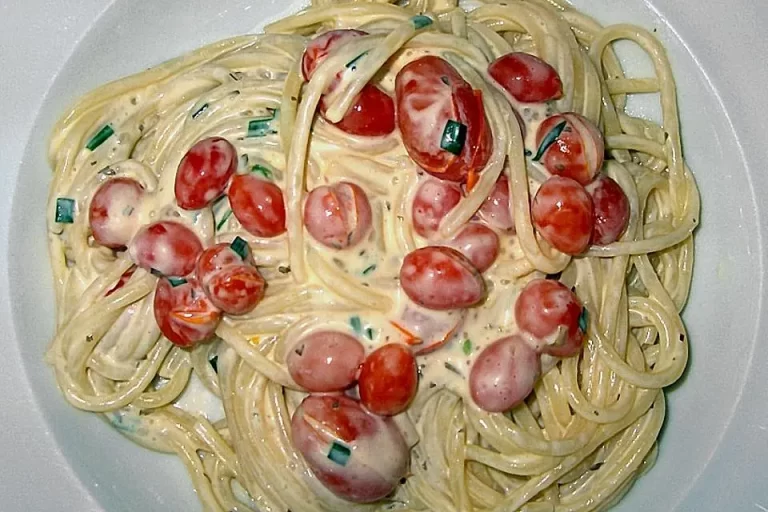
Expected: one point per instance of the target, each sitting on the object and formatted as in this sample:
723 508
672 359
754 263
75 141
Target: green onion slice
454 136
98 139
260 169
369 333
369 269
224 219
549 139
421 21
339 453
357 324
65 210
241 247
199 111
262 126
177 281
466 346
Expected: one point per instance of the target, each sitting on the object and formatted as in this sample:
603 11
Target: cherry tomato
543 306
373 111
496 210
433 200
121 282
478 243
184 313
258 205
338 215
503 374
388 380
578 151
611 210
168 247
429 93
526 77
441 278
234 285
113 214
204 172
428 330
562 213
325 361
358 456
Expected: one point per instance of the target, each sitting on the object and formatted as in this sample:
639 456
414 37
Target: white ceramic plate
714 447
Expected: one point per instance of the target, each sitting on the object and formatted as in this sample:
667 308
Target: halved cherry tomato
184 313
388 379
258 205
526 77
325 361
562 213
441 278
204 172
611 210
496 210
545 305
478 243
168 247
427 330
234 285
433 200
503 374
338 215
373 111
113 214
218 257
357 455
577 152
429 93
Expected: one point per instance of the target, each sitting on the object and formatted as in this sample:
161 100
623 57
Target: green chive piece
454 136
241 247
214 361
156 272
102 135
352 64
527 152
339 453
549 139
262 126
356 324
260 169
369 333
421 21
369 269
584 320
223 220
177 281
466 346
65 210
199 111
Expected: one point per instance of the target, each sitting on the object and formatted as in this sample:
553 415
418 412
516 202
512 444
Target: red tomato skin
418 85
526 77
431 203
378 453
122 281
503 374
577 152
562 213
611 207
184 313
218 257
543 306
372 114
319 48
168 247
441 278
112 213
234 285
478 243
204 172
258 205
339 215
325 361
496 210
388 380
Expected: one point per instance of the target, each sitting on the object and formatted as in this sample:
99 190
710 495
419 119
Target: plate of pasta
483 255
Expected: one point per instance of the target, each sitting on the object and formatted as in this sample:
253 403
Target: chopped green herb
454 136
199 111
177 281
241 247
421 21
527 152
224 219
369 333
352 64
466 346
584 320
214 363
356 324
260 169
98 139
549 139
262 126
65 210
339 453
369 269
